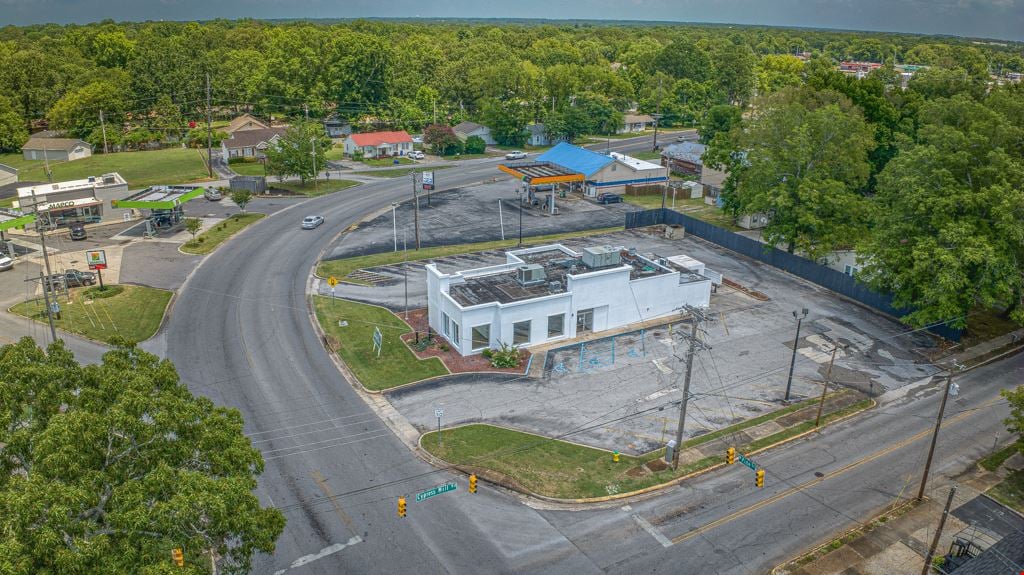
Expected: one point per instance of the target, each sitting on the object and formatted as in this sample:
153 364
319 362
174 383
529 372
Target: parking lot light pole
792 362
394 223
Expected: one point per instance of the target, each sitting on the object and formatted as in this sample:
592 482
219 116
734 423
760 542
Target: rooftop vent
601 257
531 274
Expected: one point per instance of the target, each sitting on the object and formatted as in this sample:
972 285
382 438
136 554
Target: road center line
321 482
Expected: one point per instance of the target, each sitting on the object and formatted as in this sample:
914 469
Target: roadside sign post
438 413
97 260
428 183
332 281
378 341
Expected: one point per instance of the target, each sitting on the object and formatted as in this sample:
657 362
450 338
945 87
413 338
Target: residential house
336 129
63 203
250 143
552 293
379 144
712 180
604 172
844 261
538 136
8 174
463 130
55 149
635 123
684 157
244 123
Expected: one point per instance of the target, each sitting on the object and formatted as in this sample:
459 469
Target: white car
517 155
416 155
6 263
312 222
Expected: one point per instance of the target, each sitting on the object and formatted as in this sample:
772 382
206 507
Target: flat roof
541 173
504 287
92 182
635 163
159 197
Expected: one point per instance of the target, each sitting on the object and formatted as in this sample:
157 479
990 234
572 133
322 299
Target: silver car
312 222
517 155
6 263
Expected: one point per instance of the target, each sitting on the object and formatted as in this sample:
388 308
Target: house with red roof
379 144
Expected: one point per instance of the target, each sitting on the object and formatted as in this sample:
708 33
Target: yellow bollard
615 456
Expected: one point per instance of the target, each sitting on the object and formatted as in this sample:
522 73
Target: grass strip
322 187
341 268
557 468
396 364
995 460
1010 491
208 241
130 311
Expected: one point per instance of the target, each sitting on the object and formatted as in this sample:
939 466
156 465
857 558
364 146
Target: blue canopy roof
575 158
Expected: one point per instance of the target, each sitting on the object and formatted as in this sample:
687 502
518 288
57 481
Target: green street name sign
435 491
746 461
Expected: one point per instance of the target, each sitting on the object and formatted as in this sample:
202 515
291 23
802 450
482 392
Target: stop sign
192 124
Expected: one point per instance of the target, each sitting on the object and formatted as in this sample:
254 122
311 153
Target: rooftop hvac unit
531 274
555 286
108 179
601 257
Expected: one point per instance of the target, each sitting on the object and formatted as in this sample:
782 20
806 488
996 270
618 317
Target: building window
481 336
556 325
849 270
521 332
455 334
445 321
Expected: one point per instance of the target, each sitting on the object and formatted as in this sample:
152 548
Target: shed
55 149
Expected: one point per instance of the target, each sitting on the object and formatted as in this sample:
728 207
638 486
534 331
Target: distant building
379 144
77 201
605 172
336 129
684 157
250 143
55 149
463 130
712 180
245 122
635 123
551 293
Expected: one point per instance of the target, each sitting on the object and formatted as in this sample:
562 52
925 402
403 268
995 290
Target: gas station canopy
159 197
13 219
538 173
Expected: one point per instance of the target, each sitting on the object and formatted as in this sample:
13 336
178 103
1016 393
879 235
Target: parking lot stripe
658 535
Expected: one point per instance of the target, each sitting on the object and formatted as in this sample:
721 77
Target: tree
778 71
683 59
299 152
475 145
1015 423
193 225
719 119
12 130
241 198
106 467
734 72
507 121
801 159
78 111
442 139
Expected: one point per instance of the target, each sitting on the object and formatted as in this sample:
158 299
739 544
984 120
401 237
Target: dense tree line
149 79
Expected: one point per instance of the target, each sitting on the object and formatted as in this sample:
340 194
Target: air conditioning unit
531 274
601 257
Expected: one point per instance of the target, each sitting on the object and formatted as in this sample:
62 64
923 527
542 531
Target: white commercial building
76 201
550 293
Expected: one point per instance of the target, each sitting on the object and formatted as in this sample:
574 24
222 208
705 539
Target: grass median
322 187
130 311
353 341
208 241
556 468
341 268
399 172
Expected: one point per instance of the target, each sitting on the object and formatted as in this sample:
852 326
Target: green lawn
692 207
995 461
561 469
8 202
208 240
248 168
354 343
381 162
646 155
140 169
335 153
321 188
135 313
341 268
1010 491
468 156
399 172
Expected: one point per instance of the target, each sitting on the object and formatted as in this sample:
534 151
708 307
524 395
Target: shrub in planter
487 353
507 356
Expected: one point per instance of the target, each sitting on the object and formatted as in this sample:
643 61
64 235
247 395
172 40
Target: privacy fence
813 272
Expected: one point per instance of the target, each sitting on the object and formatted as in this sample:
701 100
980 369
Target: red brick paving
456 363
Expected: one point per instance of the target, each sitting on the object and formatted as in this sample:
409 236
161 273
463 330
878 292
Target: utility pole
46 260
316 190
103 126
520 219
305 110
938 533
209 129
416 202
935 438
46 164
44 281
405 271
394 223
435 110
824 388
792 361
696 317
657 118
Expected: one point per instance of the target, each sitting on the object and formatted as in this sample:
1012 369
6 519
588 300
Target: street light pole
315 174
394 223
792 361
520 219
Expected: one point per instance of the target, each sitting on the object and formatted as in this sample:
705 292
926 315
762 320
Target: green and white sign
435 491
746 461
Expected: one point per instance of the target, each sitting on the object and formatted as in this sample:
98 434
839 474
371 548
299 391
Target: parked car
213 194
311 222
72 278
77 231
416 155
516 155
417 139
609 199
6 263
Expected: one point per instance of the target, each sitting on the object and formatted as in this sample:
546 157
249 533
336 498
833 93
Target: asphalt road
240 333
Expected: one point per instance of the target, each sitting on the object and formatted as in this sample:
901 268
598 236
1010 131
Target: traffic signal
472 483
178 557
759 478
730 455
401 506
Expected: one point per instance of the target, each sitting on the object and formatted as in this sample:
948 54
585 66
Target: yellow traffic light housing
730 455
759 478
472 483
401 506
178 557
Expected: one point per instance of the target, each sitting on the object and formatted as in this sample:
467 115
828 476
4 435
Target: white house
379 144
464 130
635 123
549 293
55 149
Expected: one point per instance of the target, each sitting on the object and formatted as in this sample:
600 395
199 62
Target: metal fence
255 184
813 272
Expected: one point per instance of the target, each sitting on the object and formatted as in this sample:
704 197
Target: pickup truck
72 278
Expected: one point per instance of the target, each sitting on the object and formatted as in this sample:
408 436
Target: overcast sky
978 18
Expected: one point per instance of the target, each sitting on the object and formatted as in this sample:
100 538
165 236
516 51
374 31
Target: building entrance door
584 321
